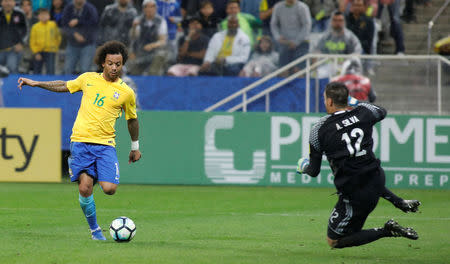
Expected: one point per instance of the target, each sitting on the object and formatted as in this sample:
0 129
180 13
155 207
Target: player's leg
390 229
345 224
349 215
107 168
82 167
404 205
400 203
108 187
87 204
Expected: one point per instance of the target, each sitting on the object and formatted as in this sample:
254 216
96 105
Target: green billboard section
263 148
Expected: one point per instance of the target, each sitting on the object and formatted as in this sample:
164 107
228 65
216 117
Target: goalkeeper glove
301 164
352 101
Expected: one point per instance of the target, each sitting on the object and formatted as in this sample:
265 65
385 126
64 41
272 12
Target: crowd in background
189 37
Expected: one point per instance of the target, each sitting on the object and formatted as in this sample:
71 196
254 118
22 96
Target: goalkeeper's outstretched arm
54 86
310 166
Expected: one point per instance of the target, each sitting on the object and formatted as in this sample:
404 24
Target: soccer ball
122 229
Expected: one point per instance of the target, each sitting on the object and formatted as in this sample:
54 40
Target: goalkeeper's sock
362 237
88 206
391 197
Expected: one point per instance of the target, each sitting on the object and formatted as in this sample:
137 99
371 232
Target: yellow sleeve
77 84
263 6
33 43
130 107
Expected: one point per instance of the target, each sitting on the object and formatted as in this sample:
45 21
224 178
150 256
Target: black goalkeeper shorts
351 211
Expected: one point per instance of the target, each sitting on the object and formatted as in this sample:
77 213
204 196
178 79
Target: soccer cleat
97 234
408 205
397 230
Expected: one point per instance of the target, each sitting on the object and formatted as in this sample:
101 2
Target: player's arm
312 165
54 86
378 112
133 129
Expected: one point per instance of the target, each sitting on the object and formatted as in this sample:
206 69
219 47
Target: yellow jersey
102 103
45 37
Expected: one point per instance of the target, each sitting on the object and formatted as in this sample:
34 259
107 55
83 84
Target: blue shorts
98 161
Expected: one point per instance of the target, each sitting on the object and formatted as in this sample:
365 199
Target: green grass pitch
42 223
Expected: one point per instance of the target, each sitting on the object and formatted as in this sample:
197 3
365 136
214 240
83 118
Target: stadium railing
431 24
412 77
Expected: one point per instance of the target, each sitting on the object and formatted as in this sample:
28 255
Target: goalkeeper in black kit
345 137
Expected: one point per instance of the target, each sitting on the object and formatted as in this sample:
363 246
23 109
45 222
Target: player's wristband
135 145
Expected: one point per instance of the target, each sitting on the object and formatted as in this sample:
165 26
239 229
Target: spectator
138 5
220 7
100 5
38 4
227 51
371 11
265 14
13 30
291 26
337 40
208 19
79 22
263 61
192 51
247 23
442 46
28 12
149 50
44 42
57 10
190 7
361 25
25 64
170 11
393 7
320 12
116 22
250 7
357 84
409 12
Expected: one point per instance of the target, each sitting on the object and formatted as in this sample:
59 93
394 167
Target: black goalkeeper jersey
345 137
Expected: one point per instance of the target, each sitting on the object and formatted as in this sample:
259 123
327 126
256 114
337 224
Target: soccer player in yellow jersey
93 154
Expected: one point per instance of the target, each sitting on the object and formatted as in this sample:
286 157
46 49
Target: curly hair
110 47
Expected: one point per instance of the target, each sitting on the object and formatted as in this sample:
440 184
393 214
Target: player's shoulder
121 84
314 137
320 122
89 75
